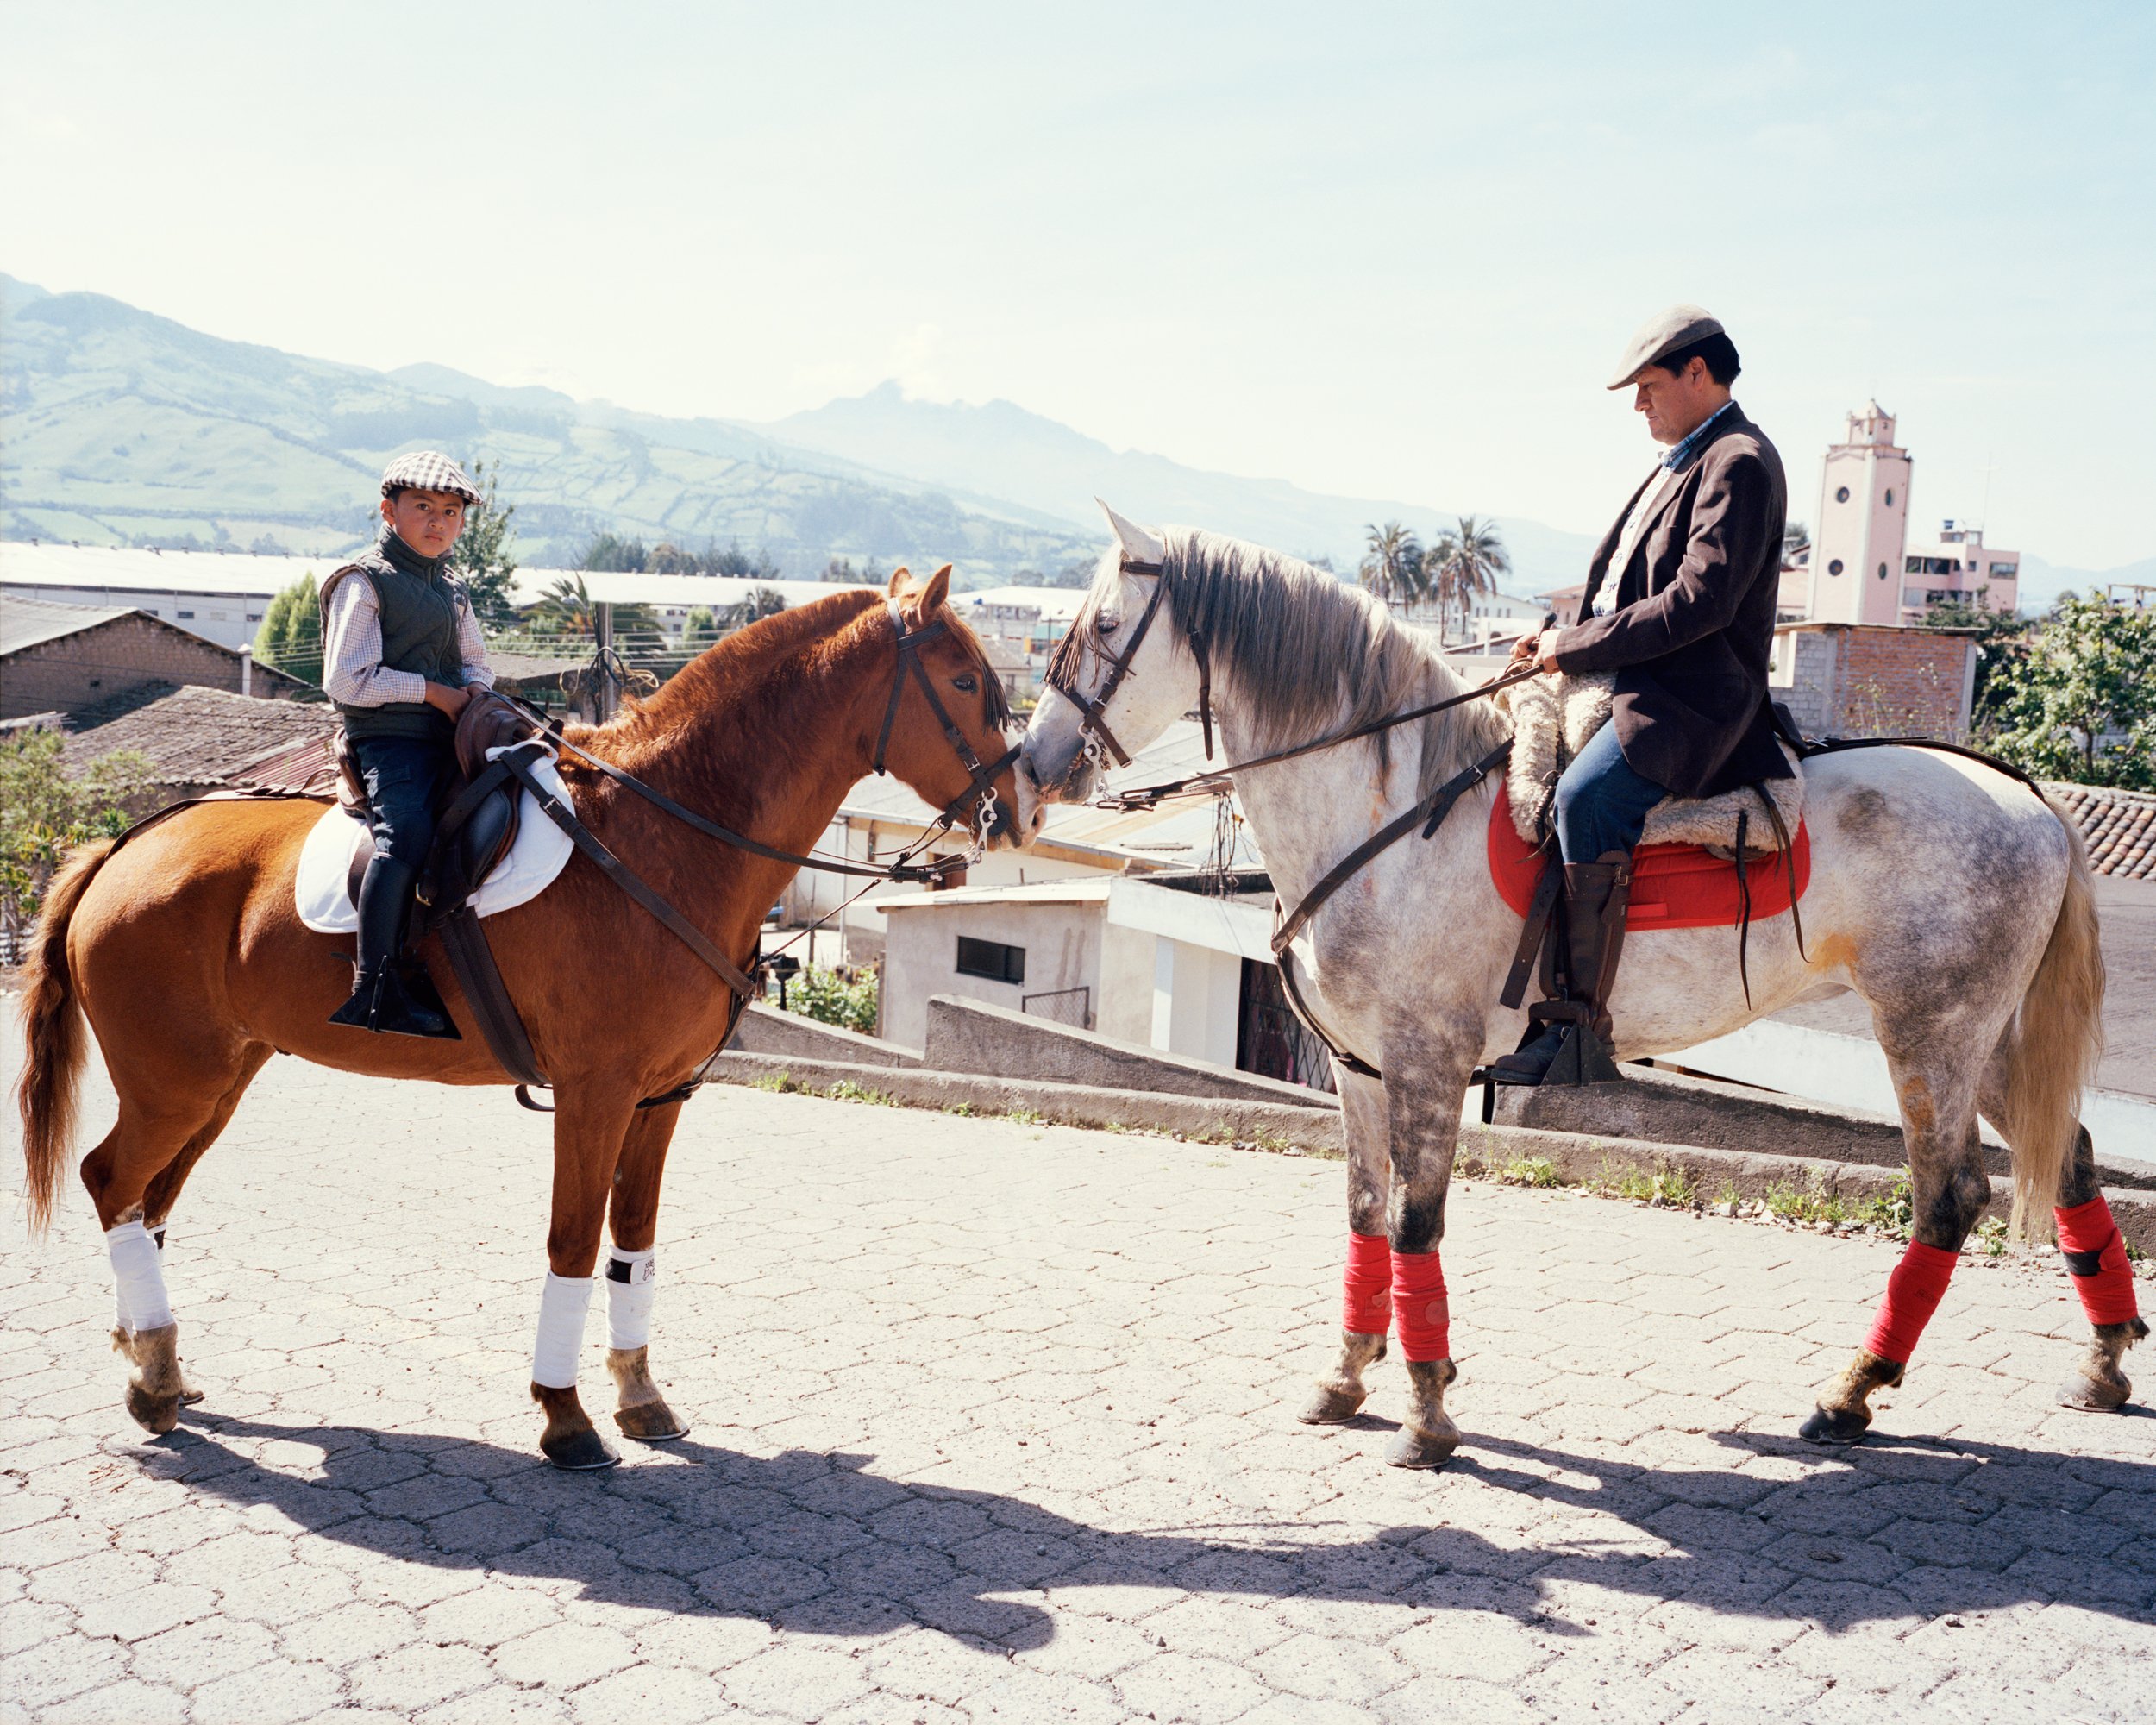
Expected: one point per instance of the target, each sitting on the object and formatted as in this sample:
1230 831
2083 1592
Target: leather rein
1092 709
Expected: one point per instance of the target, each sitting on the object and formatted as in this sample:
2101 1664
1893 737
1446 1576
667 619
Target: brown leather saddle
475 819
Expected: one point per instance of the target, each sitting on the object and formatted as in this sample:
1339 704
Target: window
2004 571
1834 568
188 615
992 959
1882 571
1889 497
1842 496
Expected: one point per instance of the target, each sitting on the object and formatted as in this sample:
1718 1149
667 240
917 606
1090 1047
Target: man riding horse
1680 606
401 653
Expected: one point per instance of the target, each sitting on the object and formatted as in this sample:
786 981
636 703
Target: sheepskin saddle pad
1553 716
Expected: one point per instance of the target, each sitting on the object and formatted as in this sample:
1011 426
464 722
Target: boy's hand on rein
446 700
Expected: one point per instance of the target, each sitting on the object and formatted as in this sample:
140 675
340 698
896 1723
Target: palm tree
1466 560
1392 568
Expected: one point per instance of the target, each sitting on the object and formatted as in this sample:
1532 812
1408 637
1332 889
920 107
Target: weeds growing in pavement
1728 1195
1529 1171
1672 1187
778 1083
845 1090
964 1110
1027 1117
1991 1236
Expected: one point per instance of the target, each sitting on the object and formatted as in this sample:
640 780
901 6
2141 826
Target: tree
1465 562
733 561
1392 568
840 569
481 559
2078 698
2000 635
44 813
701 628
761 602
612 553
290 636
566 608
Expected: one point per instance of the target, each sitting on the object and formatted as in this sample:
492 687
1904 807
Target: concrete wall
95 664
1197 1000
920 958
967 1036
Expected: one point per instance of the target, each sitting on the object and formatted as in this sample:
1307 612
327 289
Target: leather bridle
979 790
1092 718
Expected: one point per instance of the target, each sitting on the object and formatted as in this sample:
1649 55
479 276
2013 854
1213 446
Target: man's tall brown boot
1597 896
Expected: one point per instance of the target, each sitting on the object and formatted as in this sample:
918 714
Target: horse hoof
1834 1426
2094 1395
1412 1448
579 1451
1330 1406
156 1415
651 1423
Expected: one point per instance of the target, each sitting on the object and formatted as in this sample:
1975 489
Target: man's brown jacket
1693 632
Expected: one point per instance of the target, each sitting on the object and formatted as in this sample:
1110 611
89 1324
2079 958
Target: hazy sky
1389 251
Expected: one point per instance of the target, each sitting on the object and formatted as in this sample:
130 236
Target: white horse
1985 994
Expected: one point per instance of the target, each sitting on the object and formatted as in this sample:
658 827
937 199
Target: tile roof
198 736
2118 826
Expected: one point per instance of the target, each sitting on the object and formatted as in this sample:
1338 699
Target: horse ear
930 599
1138 545
899 576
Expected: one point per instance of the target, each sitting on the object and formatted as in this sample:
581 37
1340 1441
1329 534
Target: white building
219 595
1862 525
1956 569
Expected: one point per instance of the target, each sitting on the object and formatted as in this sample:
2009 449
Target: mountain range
123 427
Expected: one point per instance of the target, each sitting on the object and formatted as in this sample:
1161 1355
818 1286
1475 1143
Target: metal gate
1072 1007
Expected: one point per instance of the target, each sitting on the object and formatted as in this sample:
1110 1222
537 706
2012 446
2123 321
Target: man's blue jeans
1601 804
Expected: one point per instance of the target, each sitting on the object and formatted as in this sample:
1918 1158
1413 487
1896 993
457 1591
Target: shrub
830 999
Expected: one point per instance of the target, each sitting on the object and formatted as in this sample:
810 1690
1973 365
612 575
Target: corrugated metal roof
27 621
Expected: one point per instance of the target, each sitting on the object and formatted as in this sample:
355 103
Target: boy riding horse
1687 628
401 652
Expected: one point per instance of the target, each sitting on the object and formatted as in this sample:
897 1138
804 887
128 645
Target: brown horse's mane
727 729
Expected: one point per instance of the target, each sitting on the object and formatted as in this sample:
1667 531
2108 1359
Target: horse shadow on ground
822 1543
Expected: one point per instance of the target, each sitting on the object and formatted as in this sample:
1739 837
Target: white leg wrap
562 1308
631 1280
139 1301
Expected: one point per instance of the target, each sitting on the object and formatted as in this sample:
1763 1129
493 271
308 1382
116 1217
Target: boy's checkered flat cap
428 470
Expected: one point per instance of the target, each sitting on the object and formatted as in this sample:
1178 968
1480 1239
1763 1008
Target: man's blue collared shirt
1680 451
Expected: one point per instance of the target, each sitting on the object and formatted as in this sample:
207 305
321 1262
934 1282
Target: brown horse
186 952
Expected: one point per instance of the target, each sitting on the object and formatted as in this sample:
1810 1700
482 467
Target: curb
1574 1157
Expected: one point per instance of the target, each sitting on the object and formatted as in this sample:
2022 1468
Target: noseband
980 779
1092 718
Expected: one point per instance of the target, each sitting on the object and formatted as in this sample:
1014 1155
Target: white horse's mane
1302 653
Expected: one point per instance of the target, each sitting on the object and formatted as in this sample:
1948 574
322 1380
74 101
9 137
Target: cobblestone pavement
994 1422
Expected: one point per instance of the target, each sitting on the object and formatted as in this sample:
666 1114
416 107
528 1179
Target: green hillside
124 428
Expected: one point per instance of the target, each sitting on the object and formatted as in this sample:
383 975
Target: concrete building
71 658
1862 524
1959 569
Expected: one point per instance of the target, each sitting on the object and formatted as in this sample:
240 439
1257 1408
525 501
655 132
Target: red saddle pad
1673 886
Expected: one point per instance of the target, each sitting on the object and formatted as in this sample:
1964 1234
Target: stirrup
1582 1056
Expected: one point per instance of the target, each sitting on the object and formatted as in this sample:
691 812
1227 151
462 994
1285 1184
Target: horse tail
2053 1047
52 1036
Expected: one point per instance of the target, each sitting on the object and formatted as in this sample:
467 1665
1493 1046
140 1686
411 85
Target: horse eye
1107 626
965 686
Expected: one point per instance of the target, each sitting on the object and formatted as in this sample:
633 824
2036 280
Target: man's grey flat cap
1664 334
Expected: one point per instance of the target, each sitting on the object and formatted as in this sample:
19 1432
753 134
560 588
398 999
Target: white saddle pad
541 852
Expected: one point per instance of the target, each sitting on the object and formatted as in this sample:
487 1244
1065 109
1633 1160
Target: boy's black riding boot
380 999
1596 895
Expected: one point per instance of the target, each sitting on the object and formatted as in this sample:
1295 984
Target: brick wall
108 659
1878 682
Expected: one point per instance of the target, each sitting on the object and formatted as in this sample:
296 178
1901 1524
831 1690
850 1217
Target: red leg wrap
1912 1295
1420 1314
1366 1303
2097 1255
